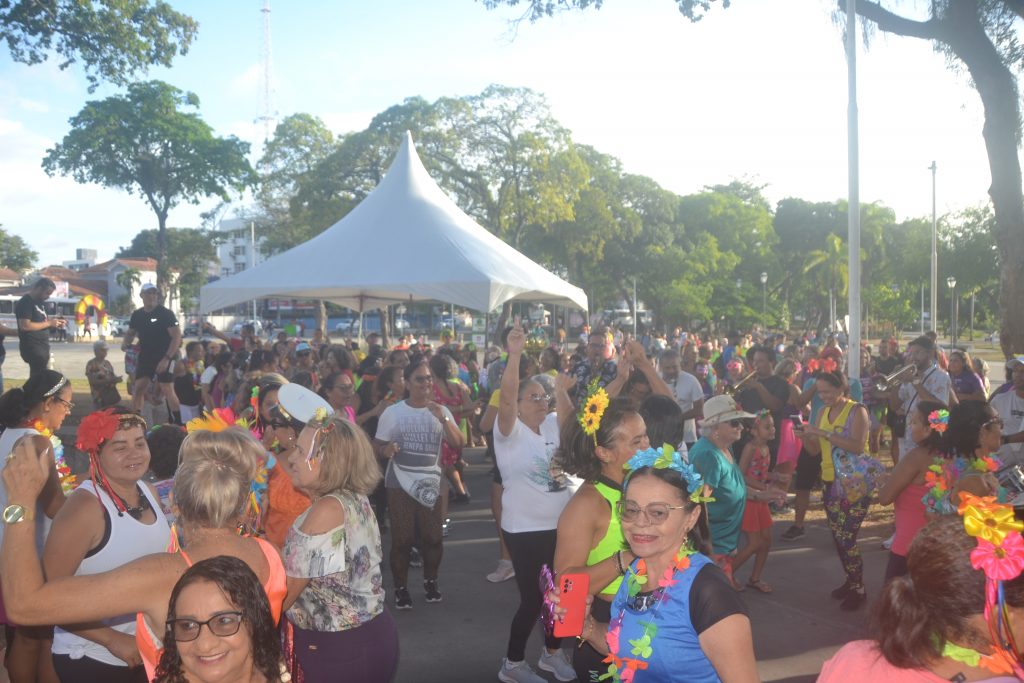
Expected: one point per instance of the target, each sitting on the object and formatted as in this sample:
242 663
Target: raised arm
508 408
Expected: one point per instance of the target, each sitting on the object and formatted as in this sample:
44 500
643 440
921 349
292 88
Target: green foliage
189 253
15 253
114 39
149 142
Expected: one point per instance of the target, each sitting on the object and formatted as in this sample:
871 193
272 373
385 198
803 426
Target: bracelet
618 561
582 637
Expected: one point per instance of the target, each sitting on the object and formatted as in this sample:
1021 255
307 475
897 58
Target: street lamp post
951 281
764 301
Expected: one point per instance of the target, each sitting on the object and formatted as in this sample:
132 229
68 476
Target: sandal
760 586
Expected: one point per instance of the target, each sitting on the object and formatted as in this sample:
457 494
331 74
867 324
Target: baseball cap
148 286
302 346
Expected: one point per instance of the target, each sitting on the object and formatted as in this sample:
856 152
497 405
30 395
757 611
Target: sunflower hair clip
938 420
592 412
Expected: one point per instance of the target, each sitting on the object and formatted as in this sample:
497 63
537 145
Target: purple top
967 382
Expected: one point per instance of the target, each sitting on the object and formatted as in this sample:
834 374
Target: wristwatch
15 514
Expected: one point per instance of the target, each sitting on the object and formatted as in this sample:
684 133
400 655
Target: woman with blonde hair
211 488
335 604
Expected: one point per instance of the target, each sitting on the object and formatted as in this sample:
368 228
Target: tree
189 253
980 36
128 278
147 143
15 253
113 39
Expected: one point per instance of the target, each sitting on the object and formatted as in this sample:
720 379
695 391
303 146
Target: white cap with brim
1014 362
299 405
719 409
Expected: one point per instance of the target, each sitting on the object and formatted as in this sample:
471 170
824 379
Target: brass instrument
893 380
738 387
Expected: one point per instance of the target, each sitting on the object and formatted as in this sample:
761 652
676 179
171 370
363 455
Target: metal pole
956 318
935 256
853 242
252 249
764 307
952 314
972 316
922 308
635 313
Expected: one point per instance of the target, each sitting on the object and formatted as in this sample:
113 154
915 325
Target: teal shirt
729 489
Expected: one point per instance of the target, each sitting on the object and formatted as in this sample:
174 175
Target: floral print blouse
343 566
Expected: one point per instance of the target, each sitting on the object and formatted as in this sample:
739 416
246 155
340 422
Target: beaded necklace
68 481
623 669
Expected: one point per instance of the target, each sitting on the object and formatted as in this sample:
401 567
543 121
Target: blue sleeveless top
676 653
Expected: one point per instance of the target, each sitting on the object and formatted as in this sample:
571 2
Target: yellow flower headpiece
594 405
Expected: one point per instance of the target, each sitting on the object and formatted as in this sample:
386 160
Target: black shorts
496 475
146 368
808 470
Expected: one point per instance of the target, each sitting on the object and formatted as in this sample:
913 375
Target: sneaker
887 543
557 664
853 600
444 527
793 533
518 672
415 559
402 599
432 594
503 572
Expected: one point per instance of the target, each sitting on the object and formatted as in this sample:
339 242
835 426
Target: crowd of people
241 538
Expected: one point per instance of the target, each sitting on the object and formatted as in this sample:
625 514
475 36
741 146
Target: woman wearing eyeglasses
220 627
409 435
37 408
339 390
525 438
108 521
711 455
675 616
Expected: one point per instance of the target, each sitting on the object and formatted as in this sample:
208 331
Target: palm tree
831 262
128 279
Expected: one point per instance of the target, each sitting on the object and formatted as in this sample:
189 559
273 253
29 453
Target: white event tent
435 252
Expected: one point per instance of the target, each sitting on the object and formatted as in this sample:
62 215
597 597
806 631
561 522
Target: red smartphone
572 595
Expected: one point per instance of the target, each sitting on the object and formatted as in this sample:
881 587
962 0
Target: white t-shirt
937 383
688 391
531 499
1010 407
418 434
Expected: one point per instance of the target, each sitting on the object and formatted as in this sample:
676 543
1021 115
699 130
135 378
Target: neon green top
612 541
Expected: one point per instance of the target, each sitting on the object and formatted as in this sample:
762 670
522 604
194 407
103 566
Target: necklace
998 662
68 481
122 508
623 669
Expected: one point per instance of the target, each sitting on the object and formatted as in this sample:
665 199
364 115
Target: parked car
257 325
118 326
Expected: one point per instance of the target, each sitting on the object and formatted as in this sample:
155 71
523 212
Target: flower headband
816 365
666 457
324 425
97 428
593 409
216 421
1000 555
938 420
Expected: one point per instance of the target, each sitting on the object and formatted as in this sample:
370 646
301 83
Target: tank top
838 425
612 540
276 588
910 516
129 540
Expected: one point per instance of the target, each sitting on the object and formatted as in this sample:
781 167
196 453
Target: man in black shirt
764 391
34 326
159 339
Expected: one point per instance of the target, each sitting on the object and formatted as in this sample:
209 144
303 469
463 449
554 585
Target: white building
235 252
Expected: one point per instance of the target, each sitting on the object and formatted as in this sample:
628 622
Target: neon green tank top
612 541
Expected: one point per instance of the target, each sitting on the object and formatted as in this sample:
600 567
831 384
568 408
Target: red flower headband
97 428
816 365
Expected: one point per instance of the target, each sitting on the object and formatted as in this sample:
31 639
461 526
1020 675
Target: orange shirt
284 504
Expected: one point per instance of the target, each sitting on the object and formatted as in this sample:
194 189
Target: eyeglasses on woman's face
654 513
536 398
67 404
222 624
423 379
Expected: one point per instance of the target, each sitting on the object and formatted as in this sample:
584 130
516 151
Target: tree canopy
189 253
113 39
151 143
15 252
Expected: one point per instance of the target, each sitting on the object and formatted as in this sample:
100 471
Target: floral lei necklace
67 479
623 669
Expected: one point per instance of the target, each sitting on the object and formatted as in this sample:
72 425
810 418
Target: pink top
860 660
910 517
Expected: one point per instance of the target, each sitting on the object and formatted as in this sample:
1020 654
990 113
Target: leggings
86 670
367 653
844 520
529 550
587 662
405 514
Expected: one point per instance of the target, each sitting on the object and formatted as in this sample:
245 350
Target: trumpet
738 387
893 380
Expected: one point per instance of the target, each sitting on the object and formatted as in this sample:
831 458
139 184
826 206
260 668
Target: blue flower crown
666 457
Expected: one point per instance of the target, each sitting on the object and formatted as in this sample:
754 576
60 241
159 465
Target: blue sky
757 92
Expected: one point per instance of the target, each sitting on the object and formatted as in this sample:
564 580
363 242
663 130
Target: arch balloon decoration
84 304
